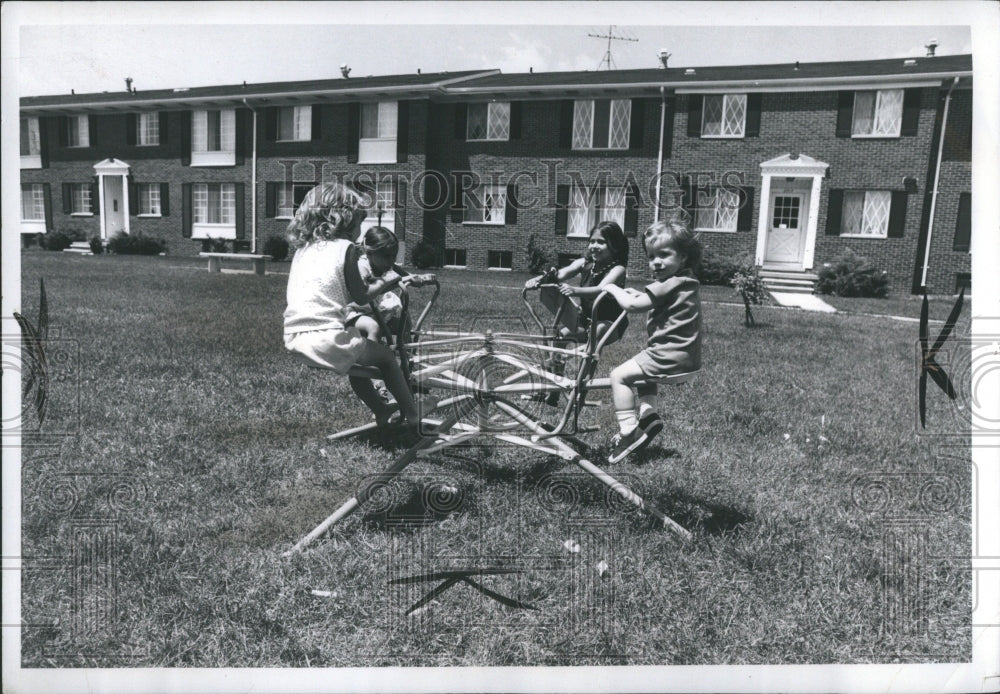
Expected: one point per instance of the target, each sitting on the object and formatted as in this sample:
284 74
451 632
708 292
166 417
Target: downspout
253 182
934 191
659 156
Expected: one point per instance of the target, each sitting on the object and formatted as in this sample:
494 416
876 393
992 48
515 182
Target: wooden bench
215 260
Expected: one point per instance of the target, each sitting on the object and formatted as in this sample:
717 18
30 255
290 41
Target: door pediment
794 165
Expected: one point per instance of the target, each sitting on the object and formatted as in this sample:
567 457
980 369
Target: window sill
147 144
723 137
219 158
283 218
484 224
31 161
149 216
377 161
578 236
875 137
81 214
455 267
306 139
717 231
864 236
600 149
487 139
500 269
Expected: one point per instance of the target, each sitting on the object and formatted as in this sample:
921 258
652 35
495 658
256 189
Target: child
323 279
603 265
381 276
673 326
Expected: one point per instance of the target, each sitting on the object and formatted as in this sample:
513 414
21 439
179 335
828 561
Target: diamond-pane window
877 113
588 206
720 211
486 205
724 115
621 120
866 213
499 121
583 124
476 123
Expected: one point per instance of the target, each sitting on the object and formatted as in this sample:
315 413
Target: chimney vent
931 47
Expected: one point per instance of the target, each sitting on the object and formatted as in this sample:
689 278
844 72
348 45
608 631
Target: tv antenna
610 37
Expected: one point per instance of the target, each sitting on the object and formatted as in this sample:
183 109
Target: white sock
646 404
627 421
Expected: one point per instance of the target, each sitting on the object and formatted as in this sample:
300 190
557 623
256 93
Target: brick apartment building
791 163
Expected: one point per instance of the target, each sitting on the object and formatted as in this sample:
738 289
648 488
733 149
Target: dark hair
616 240
381 240
675 231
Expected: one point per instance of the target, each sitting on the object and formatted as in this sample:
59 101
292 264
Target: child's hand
533 283
567 289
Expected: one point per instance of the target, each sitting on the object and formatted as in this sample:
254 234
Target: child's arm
614 274
629 299
380 285
562 274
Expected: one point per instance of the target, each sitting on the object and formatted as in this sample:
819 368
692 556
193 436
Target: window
213 131
288 197
214 203
724 115
377 144
80 198
149 199
588 206
454 257
294 123
877 113
866 213
147 130
384 201
78 131
31 143
486 205
378 121
500 260
33 202
602 123
488 121
720 212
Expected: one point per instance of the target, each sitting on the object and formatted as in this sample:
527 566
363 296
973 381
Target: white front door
786 232
113 206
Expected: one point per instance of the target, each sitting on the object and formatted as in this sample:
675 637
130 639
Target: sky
92 47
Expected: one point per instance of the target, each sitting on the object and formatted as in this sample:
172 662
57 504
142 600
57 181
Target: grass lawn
206 444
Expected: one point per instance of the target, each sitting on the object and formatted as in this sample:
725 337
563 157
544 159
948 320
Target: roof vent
909 61
664 56
689 71
345 70
931 47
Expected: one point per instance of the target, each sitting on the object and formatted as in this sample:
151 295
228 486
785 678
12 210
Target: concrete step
791 289
789 281
82 245
788 274
78 251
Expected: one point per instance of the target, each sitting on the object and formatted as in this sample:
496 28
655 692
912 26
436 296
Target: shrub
96 245
57 240
715 269
425 254
29 240
538 260
276 247
135 244
852 275
750 286
216 245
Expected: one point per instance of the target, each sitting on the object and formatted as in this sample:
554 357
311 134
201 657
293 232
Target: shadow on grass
699 515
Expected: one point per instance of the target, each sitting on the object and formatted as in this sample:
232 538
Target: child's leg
622 377
383 358
647 398
364 388
368 327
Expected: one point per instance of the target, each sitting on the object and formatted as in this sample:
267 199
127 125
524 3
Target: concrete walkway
809 302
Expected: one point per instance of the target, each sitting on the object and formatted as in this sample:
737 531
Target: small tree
538 259
749 285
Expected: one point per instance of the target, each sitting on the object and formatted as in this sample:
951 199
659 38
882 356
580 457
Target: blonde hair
675 231
329 211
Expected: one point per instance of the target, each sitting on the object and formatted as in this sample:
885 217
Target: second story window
78 131
213 131
31 144
724 115
147 129
601 123
488 121
30 137
877 113
294 123
379 126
